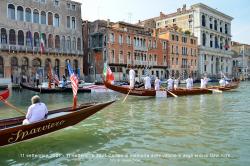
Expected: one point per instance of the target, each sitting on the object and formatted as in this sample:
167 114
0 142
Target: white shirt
170 83
189 84
147 82
131 74
157 84
202 83
36 112
37 76
222 82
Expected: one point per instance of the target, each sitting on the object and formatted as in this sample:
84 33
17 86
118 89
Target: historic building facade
183 52
122 44
25 25
241 60
213 30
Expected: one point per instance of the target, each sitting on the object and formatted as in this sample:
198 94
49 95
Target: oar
126 96
215 90
11 106
172 93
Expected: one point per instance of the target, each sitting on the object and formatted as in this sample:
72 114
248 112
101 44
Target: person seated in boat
131 78
64 81
176 83
157 83
147 82
36 112
170 82
222 82
189 83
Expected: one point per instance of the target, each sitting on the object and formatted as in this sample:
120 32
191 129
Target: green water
189 131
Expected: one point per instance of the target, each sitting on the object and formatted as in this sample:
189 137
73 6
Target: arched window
20 38
68 43
204 39
43 17
75 65
50 18
216 42
66 67
46 67
20 13
36 40
29 37
14 63
57 42
1 67
79 44
57 67
28 14
74 43
11 12
215 25
3 36
36 16
203 17
44 39
50 41
12 37
36 64
25 66
63 43
73 23
56 20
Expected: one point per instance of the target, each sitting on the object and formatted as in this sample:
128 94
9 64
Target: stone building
213 30
183 52
25 25
122 44
241 60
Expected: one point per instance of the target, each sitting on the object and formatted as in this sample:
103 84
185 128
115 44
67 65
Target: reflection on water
174 131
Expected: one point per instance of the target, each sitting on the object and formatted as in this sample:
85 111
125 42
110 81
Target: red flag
110 76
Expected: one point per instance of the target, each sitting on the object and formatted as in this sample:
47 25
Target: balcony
20 48
139 48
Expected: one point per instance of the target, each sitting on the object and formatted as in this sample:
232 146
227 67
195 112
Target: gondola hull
178 92
53 90
4 94
12 131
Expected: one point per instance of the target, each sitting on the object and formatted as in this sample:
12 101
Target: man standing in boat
36 112
170 82
189 83
147 82
37 79
131 77
157 83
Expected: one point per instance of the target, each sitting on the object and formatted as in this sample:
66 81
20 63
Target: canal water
196 130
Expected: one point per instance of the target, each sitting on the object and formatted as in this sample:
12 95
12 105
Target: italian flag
41 43
108 75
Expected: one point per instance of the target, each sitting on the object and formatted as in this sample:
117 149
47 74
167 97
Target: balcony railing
20 48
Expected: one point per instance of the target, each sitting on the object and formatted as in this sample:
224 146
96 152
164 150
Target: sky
134 10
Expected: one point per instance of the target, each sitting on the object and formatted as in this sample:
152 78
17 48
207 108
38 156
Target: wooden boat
178 92
53 90
4 94
12 130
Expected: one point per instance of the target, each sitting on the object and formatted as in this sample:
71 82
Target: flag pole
74 102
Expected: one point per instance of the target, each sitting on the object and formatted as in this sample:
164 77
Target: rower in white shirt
147 82
170 82
157 83
189 83
202 83
131 78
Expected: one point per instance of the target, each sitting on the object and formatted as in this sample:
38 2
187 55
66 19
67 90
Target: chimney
162 14
184 7
108 22
178 10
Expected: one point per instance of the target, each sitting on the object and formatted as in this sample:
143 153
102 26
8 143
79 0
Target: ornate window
20 38
43 17
11 12
3 36
36 39
203 20
79 44
57 42
20 13
50 18
28 15
56 20
12 37
36 16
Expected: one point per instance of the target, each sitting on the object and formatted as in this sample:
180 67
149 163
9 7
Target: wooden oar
11 106
172 93
126 96
215 90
